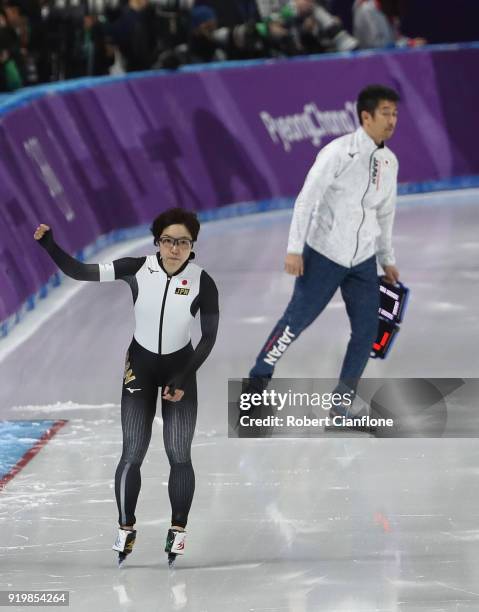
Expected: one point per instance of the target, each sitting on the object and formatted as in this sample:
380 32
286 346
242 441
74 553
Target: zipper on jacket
162 313
362 206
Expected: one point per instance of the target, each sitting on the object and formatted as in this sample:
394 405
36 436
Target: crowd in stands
50 40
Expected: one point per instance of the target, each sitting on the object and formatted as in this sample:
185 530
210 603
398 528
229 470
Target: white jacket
346 207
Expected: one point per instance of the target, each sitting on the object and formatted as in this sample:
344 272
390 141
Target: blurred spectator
15 35
241 33
49 40
89 53
173 22
231 13
308 25
10 77
135 36
268 7
202 46
298 27
207 42
319 30
376 24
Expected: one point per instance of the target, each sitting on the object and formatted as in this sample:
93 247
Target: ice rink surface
350 524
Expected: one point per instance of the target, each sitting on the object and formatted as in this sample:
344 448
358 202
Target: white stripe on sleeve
107 272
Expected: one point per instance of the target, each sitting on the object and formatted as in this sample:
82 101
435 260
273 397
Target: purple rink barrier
91 160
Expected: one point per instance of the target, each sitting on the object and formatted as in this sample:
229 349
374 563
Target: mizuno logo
151 270
352 154
281 344
132 390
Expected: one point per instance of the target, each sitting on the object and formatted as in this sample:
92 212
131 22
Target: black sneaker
251 386
255 384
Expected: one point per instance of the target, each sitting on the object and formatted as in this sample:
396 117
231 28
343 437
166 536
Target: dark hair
18 4
370 97
174 216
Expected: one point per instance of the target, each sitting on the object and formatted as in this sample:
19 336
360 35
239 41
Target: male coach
342 222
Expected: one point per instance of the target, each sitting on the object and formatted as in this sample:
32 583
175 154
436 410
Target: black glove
171 388
46 241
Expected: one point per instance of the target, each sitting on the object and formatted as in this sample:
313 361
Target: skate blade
121 559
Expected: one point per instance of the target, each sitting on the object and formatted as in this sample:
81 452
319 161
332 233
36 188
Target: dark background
439 21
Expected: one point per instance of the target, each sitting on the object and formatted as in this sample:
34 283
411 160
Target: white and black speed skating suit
160 354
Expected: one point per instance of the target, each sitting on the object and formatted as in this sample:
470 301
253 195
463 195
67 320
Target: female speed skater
168 291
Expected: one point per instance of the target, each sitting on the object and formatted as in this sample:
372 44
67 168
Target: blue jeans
312 293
